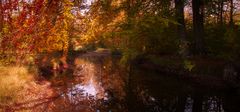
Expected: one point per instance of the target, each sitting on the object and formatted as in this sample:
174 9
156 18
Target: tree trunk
1 16
179 7
181 28
231 13
221 12
198 26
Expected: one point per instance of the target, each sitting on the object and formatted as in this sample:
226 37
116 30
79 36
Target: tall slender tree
221 12
198 25
179 7
1 16
181 27
231 13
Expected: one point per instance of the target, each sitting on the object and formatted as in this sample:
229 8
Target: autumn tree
1 17
36 26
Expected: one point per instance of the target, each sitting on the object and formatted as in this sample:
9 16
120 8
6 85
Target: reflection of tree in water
97 85
212 104
151 104
171 103
106 77
86 73
209 104
188 104
103 72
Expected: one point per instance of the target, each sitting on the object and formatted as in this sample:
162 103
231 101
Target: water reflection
162 93
188 104
87 89
99 84
94 86
85 75
172 103
212 104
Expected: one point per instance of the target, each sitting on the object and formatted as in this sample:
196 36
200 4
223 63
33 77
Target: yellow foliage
58 36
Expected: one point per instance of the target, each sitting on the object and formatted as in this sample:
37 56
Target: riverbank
20 89
201 71
155 81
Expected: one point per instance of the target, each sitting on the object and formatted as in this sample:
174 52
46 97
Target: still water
100 84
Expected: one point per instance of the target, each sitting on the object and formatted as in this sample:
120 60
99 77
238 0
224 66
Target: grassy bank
19 88
12 81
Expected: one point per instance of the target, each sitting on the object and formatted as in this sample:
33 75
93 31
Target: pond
98 83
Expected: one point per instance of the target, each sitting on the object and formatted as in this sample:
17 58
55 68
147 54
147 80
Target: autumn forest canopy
129 27
120 55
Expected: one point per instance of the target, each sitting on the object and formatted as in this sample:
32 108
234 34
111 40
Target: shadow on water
97 83
167 93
